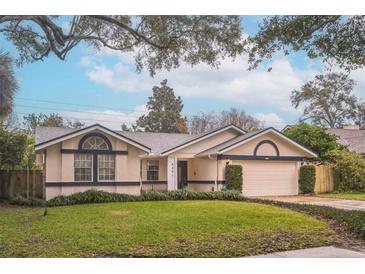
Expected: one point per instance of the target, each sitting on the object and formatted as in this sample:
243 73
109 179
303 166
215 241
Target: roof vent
352 127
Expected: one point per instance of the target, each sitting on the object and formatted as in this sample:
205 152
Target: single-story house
96 157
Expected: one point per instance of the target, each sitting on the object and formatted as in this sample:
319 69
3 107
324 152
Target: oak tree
328 100
157 42
204 122
8 86
330 38
31 121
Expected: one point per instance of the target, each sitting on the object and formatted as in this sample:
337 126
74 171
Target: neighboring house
96 157
351 136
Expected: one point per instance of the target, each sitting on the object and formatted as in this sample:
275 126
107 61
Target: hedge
233 176
307 179
93 196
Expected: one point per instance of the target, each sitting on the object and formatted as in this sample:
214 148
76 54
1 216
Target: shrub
233 175
315 138
307 179
349 168
22 201
93 196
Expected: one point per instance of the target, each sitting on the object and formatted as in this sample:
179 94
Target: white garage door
269 178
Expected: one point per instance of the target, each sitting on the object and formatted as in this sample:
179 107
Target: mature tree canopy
315 138
204 122
31 121
158 42
8 86
164 112
13 146
328 100
333 38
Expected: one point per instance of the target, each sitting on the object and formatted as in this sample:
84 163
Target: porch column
171 173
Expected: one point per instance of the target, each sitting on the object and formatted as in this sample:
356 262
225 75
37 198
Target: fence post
34 184
27 183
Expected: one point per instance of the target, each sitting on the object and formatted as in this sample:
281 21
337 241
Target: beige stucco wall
60 166
54 163
200 146
204 169
154 187
162 175
285 148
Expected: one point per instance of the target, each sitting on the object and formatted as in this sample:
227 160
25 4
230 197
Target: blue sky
111 92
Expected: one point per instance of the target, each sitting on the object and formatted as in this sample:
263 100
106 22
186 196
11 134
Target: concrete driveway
337 203
317 252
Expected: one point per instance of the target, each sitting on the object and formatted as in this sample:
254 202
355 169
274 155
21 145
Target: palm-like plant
8 85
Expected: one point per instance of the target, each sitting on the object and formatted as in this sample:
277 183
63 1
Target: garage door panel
268 178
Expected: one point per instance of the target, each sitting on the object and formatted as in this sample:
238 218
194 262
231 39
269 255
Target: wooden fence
21 182
324 179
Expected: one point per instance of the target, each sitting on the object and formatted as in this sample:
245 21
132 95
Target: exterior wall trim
254 157
118 183
202 137
71 151
266 142
78 132
264 131
83 139
205 182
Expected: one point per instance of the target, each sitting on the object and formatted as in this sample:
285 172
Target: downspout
140 176
216 177
216 180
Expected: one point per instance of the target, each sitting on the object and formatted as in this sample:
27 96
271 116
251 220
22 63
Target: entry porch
181 171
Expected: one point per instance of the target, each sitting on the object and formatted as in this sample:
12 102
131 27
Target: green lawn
158 229
360 196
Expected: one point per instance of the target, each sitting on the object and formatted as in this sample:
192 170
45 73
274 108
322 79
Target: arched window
95 161
95 142
268 145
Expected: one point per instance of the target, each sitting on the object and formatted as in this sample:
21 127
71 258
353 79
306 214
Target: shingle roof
158 142
43 134
231 142
354 139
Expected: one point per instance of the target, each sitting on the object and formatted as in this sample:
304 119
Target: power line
103 107
83 119
78 105
77 111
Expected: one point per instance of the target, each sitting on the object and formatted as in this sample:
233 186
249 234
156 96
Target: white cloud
271 119
231 82
109 118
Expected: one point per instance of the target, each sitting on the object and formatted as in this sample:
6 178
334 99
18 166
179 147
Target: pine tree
164 112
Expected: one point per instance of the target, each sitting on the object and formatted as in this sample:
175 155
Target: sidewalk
317 252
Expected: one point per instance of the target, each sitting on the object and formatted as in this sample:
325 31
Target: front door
182 174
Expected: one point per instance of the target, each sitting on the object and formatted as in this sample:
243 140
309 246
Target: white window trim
158 170
97 170
92 170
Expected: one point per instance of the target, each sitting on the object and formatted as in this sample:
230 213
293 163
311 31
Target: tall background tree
158 42
332 38
164 112
8 86
31 121
328 100
204 122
